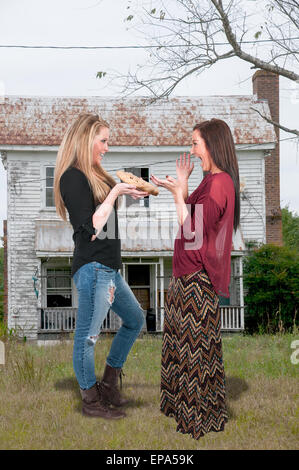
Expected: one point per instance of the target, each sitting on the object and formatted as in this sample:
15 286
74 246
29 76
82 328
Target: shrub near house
271 277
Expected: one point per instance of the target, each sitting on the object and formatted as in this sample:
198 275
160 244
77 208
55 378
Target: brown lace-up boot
109 389
94 404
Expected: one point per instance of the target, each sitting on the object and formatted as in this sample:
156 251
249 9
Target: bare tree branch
191 36
276 124
257 63
288 8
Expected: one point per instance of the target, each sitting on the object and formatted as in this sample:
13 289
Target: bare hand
129 189
170 183
183 167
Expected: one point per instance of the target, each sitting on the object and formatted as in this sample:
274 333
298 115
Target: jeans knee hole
111 292
91 340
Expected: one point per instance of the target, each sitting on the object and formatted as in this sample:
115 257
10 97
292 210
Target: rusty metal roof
40 120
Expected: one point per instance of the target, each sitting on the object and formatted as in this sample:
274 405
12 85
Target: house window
49 186
141 173
59 287
224 301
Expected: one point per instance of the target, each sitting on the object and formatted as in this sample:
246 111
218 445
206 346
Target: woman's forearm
184 185
181 208
182 213
102 214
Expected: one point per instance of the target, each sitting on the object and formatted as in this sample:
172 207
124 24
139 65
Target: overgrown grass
40 404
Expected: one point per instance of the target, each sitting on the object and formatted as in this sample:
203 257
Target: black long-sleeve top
78 199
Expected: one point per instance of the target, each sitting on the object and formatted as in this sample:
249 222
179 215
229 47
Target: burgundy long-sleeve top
211 216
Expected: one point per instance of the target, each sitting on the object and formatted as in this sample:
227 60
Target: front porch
148 277
146 267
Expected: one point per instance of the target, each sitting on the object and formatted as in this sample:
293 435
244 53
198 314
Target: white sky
72 72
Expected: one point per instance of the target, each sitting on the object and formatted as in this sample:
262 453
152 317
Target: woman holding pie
90 195
192 372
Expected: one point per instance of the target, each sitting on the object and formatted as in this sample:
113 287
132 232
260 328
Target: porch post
124 271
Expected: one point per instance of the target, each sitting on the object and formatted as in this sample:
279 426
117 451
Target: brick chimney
266 87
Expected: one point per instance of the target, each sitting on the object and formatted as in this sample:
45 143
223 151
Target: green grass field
40 404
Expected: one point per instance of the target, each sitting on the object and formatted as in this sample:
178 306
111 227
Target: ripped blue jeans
99 288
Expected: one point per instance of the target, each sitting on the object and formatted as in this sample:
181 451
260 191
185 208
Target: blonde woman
90 195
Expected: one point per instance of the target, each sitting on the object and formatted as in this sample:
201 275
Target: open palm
183 167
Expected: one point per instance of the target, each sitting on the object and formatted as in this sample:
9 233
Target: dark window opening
224 301
139 281
59 287
49 186
144 174
138 275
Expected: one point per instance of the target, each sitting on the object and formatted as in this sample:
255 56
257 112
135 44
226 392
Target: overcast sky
73 72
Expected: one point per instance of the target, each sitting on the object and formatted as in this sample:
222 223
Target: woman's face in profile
100 145
199 150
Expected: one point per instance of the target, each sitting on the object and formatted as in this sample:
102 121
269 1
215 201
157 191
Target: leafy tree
290 228
271 280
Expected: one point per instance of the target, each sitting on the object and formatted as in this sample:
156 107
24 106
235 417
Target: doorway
139 281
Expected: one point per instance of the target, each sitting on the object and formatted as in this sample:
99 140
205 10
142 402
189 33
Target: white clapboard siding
23 209
251 165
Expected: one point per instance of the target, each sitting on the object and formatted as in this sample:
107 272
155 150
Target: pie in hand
140 183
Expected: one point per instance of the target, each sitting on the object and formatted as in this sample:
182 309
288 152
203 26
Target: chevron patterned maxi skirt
192 372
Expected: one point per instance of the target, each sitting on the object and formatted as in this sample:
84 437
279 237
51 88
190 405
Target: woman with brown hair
192 373
90 195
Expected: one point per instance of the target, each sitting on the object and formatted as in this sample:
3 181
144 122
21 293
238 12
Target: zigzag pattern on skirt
192 372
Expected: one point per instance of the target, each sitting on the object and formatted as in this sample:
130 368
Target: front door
143 297
139 281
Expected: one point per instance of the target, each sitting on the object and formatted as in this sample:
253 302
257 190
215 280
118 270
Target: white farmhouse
40 296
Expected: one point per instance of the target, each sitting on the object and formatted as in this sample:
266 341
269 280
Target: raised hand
183 167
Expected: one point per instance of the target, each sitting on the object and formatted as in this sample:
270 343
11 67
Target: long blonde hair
76 149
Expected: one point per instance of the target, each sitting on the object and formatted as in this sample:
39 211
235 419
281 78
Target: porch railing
63 319
57 319
232 318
